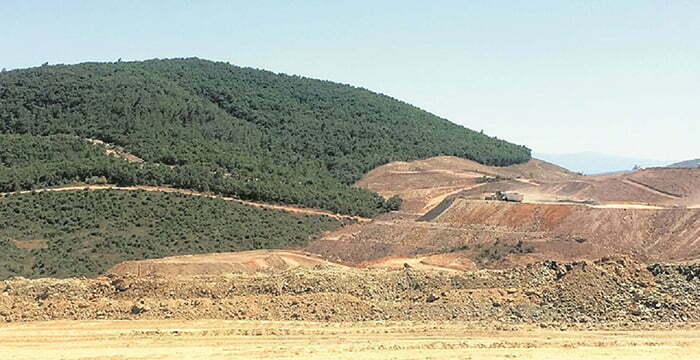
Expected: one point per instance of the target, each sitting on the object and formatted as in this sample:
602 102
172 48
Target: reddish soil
648 214
424 184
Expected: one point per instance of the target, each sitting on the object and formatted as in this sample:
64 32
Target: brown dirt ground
221 263
648 214
220 339
545 293
457 237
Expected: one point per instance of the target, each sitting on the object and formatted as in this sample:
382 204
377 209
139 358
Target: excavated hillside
423 184
650 215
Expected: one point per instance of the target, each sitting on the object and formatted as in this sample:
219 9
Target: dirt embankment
584 232
469 234
246 262
547 292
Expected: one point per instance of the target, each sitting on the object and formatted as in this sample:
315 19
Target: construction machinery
506 196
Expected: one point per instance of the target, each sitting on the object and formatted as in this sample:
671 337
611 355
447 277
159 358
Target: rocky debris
432 298
140 308
585 292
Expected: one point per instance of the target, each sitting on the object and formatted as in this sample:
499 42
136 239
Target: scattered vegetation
242 132
499 250
86 232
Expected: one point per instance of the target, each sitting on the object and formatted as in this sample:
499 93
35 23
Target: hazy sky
619 77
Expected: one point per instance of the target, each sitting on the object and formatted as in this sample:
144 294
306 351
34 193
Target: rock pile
586 292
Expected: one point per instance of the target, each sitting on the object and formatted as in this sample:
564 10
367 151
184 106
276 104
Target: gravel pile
586 292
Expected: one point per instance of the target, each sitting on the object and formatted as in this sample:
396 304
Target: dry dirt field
220 339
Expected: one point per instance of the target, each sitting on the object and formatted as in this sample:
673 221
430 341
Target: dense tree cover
276 137
86 232
30 161
39 161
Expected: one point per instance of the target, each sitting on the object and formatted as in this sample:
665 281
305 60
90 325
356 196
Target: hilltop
687 163
216 127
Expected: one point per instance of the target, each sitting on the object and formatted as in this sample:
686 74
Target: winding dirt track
651 189
215 339
287 208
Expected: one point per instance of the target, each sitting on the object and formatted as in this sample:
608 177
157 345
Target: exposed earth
650 215
450 275
220 339
617 290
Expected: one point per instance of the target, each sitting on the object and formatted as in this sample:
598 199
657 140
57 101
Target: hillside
83 233
242 132
444 221
687 163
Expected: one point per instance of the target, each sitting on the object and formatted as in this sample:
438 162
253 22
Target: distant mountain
591 163
687 163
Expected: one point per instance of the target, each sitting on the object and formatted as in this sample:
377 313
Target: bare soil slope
221 263
647 214
425 183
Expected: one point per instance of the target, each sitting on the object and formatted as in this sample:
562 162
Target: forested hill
239 131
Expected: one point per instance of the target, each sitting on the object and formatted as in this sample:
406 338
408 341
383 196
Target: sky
618 77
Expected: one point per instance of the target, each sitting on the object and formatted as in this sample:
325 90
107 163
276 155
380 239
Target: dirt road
210 339
292 209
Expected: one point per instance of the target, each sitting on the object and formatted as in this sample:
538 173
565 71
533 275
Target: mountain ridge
687 163
593 163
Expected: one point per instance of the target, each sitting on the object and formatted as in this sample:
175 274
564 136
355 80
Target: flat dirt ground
218 339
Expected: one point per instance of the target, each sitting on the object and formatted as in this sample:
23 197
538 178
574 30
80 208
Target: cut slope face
423 184
588 232
647 214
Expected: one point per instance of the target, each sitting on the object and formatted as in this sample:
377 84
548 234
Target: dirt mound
438 262
424 184
616 290
221 263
